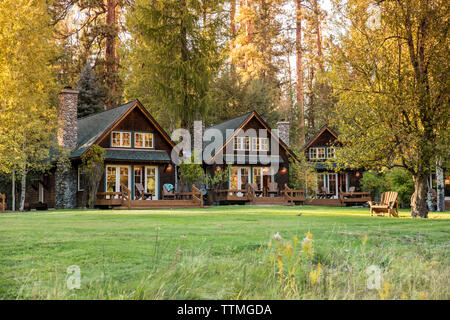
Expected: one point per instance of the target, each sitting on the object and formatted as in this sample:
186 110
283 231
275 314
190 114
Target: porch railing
3 202
292 195
126 195
197 195
251 192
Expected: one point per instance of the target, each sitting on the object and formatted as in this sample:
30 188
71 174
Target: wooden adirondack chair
141 192
388 204
258 192
272 189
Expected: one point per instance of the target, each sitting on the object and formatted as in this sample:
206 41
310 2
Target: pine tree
174 57
91 97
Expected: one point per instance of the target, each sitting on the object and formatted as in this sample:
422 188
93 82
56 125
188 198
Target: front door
239 177
115 176
332 184
151 181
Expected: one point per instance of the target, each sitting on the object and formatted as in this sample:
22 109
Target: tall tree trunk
299 54
440 186
233 35
23 187
184 57
318 35
110 52
419 207
13 191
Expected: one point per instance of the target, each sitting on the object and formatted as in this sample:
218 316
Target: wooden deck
249 196
122 200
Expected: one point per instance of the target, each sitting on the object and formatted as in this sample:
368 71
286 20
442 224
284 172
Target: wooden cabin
334 188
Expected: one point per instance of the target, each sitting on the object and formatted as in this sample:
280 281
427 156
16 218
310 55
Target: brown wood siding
136 121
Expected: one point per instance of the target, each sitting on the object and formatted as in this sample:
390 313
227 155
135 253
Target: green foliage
219 179
191 173
93 168
302 175
232 98
224 253
91 96
175 53
396 179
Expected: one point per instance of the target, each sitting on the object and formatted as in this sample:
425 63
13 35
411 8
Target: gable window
143 140
331 153
263 144
317 153
260 144
255 144
120 139
241 143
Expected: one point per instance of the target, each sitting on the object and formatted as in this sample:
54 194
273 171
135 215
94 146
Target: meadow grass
225 252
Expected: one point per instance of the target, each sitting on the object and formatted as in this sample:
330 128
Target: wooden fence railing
126 195
197 195
251 192
2 202
292 195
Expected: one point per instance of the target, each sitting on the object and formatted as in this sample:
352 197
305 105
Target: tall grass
300 267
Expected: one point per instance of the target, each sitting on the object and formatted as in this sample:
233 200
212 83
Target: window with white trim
263 144
331 153
120 139
241 143
143 140
81 176
317 153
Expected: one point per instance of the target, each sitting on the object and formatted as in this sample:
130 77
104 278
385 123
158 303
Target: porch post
132 181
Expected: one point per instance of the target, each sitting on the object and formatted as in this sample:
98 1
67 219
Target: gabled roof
92 128
236 124
233 124
318 134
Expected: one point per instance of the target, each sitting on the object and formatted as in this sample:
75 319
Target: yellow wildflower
384 292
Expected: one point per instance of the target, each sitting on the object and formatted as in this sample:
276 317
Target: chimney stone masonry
66 182
67 118
283 131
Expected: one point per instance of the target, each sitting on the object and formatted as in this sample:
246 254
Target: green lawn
223 252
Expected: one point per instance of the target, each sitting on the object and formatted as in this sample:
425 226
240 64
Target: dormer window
143 140
120 139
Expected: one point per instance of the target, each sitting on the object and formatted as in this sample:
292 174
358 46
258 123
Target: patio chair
258 192
326 194
166 195
273 189
142 194
388 204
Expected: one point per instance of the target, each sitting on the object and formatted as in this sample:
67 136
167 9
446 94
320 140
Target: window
331 153
81 177
120 139
316 153
241 143
143 140
255 144
264 144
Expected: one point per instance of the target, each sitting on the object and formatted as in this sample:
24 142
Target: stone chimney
66 177
198 132
67 118
283 131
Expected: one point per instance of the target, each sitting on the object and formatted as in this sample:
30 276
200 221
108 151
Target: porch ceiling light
283 170
218 169
357 174
169 167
